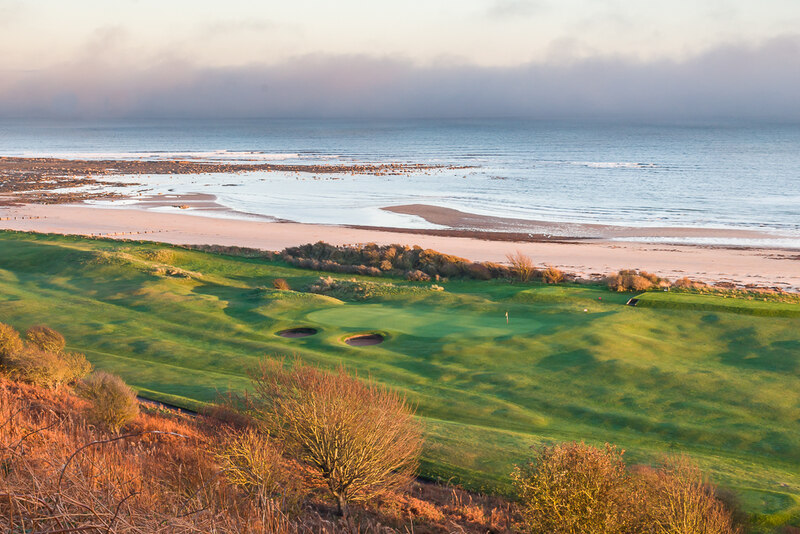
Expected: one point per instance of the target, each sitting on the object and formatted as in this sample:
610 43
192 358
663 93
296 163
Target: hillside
572 362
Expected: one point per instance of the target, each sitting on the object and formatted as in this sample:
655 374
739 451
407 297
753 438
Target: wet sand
766 267
469 221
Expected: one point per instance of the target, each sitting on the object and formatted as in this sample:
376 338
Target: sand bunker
298 332
364 339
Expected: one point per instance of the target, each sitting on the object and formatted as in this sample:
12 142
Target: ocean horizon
738 176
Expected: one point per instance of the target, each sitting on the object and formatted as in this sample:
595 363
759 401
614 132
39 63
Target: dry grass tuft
551 275
522 266
280 283
114 403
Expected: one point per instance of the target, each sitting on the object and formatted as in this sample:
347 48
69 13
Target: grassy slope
704 377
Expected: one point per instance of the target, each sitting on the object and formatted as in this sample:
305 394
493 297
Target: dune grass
712 377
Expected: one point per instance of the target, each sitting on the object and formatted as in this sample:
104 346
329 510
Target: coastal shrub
253 462
522 266
478 271
45 338
633 280
417 276
342 289
10 342
497 270
280 283
113 402
38 367
358 439
367 270
688 283
374 260
551 275
573 488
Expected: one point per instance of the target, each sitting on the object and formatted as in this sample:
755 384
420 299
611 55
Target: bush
551 275
114 403
39 367
374 260
280 283
497 270
479 271
358 439
42 361
633 280
253 462
76 366
681 502
688 283
46 339
573 488
521 266
10 342
343 289
417 276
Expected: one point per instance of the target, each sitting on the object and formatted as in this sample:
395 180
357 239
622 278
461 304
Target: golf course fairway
712 377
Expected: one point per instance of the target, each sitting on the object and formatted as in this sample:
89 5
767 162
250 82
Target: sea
726 175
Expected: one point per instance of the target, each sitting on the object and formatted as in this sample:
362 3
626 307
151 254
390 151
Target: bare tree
360 439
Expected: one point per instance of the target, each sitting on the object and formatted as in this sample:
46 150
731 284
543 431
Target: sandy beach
765 267
458 219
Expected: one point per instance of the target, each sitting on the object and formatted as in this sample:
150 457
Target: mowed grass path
711 377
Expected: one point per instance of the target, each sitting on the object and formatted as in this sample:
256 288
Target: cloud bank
728 82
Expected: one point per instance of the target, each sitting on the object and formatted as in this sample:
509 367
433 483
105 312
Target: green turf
712 377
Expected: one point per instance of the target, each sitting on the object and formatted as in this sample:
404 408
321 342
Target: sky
372 58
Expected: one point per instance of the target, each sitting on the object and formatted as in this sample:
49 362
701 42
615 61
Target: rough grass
684 377
181 474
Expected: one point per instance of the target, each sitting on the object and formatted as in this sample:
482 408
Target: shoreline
457 219
775 268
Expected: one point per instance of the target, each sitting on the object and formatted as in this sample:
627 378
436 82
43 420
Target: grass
714 377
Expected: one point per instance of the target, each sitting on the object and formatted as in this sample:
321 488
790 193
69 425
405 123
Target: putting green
431 324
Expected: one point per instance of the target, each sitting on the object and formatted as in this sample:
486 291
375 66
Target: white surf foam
213 155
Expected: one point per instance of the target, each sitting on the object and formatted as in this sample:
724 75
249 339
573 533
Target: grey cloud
735 81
